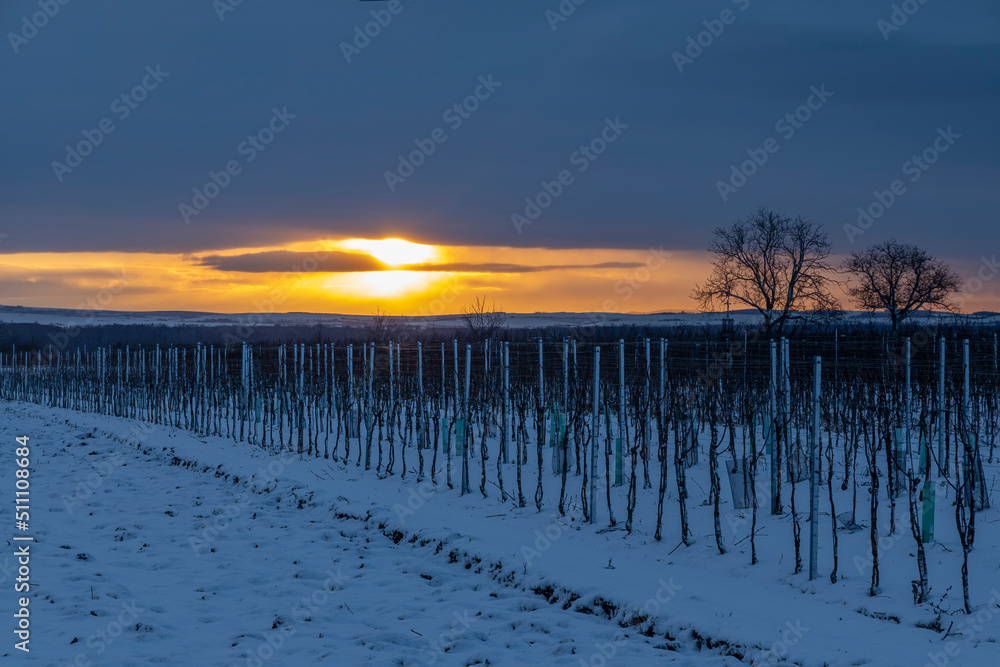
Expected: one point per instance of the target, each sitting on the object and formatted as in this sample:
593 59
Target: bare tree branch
382 327
900 279
484 319
771 263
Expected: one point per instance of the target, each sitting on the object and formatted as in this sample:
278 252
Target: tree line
780 266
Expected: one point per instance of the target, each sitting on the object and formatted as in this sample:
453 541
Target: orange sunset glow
405 278
354 276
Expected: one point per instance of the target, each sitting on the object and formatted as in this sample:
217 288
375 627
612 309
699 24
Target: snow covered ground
156 546
79 318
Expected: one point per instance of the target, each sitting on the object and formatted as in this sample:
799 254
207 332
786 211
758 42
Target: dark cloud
324 174
489 267
282 261
41 291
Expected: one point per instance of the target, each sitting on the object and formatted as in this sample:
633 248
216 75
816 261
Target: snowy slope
125 573
70 317
223 547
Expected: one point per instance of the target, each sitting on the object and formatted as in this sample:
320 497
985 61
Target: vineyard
894 436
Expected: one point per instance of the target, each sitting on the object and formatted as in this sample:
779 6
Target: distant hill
65 317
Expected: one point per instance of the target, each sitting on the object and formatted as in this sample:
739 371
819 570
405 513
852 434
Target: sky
549 155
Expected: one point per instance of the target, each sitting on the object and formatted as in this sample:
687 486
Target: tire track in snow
440 609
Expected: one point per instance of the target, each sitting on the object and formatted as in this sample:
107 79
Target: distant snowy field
170 548
71 318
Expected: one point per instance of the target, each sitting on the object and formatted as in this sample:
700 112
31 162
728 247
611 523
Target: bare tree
772 263
382 327
900 278
484 319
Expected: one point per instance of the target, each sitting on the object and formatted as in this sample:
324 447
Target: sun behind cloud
382 284
391 252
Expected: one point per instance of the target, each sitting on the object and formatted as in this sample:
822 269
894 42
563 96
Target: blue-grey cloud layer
656 184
